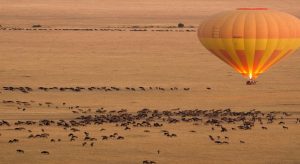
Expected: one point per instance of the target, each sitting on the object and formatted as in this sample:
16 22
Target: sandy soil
123 58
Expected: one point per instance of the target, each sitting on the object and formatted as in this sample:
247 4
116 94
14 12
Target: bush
180 25
36 26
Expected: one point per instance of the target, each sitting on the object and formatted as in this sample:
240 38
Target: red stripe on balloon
219 55
242 56
257 57
231 60
273 56
285 54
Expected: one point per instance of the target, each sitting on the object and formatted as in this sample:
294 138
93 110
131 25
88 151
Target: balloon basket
251 82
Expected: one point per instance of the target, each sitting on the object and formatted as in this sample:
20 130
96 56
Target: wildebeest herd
90 89
218 121
136 28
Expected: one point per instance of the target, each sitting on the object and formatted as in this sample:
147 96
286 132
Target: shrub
180 25
36 26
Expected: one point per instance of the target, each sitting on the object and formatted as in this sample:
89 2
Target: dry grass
126 58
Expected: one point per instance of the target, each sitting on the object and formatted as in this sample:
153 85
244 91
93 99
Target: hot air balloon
250 40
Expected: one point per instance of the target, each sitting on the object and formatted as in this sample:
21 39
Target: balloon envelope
250 39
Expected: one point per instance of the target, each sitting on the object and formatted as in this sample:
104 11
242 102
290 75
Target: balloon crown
252 9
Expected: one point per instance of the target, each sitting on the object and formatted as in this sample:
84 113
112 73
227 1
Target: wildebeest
45 153
20 151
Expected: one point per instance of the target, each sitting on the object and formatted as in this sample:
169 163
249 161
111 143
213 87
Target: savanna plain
117 81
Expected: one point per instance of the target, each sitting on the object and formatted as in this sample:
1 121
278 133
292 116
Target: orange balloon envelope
250 39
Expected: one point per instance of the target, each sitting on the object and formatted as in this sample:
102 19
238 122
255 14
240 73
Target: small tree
36 26
180 25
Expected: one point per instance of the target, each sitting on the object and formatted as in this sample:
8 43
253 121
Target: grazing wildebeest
218 142
20 151
186 89
223 129
13 141
148 162
104 138
120 138
74 129
225 142
142 88
45 153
